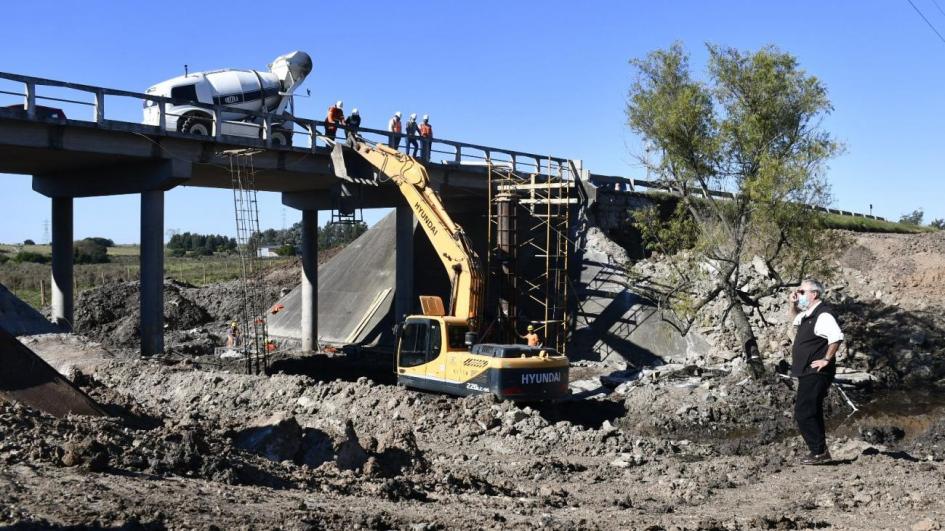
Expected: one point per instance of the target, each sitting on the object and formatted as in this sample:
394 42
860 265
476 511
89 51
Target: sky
548 77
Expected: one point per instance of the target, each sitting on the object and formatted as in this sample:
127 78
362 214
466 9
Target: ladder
254 339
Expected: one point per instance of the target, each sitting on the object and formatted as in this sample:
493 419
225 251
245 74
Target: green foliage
335 234
28 242
858 224
912 218
752 128
212 243
286 250
24 257
90 251
106 242
937 223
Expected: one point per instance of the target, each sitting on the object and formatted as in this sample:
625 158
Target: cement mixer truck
250 90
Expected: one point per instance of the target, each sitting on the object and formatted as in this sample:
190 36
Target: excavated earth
694 445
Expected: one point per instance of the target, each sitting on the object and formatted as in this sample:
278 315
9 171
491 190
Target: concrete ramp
27 379
355 293
21 319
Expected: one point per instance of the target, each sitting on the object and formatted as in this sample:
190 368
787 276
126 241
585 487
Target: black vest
809 347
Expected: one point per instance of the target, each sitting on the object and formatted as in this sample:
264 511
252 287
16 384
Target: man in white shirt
814 354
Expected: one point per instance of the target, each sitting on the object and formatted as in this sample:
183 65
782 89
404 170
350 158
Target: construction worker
334 118
426 133
393 127
351 127
531 337
233 335
412 131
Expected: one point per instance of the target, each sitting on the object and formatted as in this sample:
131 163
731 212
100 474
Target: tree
913 218
102 241
90 251
29 242
937 223
753 129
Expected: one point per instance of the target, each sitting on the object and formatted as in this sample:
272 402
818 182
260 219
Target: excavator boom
449 240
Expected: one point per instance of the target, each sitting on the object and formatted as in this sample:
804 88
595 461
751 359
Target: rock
852 449
350 454
305 402
277 437
926 524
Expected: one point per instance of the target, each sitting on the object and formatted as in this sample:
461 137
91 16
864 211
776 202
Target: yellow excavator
438 351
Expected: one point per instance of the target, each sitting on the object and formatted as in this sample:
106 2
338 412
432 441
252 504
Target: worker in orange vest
426 136
394 128
335 117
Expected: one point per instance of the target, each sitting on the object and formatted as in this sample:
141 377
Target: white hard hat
397 114
354 111
413 116
426 117
339 104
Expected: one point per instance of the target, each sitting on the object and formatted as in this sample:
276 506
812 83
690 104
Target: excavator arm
449 240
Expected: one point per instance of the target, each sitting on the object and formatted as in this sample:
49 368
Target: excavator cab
433 353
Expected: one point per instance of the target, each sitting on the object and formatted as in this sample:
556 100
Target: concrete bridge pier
309 280
61 283
150 179
152 272
404 289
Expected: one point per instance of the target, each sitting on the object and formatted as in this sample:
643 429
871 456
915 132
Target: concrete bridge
74 158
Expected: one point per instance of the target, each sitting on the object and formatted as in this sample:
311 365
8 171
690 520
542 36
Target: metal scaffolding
530 251
254 340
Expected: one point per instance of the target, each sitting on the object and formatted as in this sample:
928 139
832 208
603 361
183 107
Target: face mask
803 303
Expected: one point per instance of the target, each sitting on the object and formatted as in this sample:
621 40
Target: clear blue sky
542 76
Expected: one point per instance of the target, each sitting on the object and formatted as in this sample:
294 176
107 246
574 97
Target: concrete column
61 283
309 280
152 272
403 283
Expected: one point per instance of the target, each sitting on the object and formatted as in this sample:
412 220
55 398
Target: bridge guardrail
456 152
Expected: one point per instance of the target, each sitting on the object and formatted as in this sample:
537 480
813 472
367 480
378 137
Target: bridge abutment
62 262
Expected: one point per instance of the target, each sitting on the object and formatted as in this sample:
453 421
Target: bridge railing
439 150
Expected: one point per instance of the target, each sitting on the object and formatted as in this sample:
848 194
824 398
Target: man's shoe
819 459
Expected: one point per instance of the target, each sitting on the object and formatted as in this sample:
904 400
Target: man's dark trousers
809 410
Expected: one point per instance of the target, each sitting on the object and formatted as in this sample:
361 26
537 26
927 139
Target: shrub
28 242
102 241
30 257
286 250
937 223
89 251
913 218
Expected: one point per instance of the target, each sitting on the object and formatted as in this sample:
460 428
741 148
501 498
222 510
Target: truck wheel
197 125
281 138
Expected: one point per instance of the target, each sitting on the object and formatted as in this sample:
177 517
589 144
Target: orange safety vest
426 130
335 115
532 340
395 128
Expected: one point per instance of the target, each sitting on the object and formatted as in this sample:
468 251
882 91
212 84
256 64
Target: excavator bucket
351 167
27 379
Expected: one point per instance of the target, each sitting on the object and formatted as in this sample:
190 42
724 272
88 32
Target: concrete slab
19 318
355 293
29 380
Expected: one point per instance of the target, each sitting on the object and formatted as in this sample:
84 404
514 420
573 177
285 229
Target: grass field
836 221
30 281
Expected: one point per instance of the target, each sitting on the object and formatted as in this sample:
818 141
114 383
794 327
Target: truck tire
197 125
280 137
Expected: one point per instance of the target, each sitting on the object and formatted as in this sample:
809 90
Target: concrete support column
152 272
309 280
61 284
403 283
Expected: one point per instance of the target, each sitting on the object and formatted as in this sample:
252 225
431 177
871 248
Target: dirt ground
318 445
